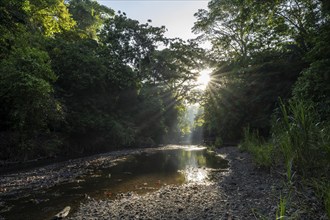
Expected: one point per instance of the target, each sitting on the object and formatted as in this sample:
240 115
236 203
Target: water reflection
138 173
195 175
198 162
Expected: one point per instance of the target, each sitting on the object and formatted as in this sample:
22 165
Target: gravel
244 191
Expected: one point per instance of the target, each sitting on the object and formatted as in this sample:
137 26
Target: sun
203 79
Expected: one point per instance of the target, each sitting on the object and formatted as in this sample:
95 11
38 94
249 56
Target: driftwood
62 214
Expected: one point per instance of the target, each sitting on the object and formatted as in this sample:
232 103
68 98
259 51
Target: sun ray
203 79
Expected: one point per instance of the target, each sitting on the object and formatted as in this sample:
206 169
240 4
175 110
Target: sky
176 15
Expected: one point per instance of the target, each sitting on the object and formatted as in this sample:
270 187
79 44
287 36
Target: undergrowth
301 141
258 147
280 212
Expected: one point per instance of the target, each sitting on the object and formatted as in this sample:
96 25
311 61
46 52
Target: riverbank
35 179
241 192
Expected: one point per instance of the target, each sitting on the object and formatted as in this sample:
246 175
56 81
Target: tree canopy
270 90
259 50
77 77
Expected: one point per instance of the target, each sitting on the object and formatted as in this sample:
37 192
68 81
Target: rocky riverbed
243 191
68 171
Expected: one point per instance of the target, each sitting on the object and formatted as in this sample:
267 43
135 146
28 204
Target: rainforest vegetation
270 87
77 77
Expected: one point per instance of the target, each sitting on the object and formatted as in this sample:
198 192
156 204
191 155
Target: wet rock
62 214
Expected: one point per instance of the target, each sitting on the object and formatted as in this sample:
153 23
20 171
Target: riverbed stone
241 192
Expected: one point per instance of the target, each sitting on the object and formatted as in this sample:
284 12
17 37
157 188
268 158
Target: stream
137 173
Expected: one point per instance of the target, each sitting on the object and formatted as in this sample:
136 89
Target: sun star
203 79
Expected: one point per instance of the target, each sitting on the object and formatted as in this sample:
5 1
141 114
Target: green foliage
257 53
280 212
176 68
110 97
89 16
218 142
299 137
238 29
28 110
128 42
302 138
149 116
259 50
49 16
261 151
26 96
303 142
313 85
327 201
241 97
89 82
322 188
11 21
25 87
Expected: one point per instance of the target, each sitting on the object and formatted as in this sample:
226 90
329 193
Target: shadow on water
139 173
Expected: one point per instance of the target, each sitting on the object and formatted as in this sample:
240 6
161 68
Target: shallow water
139 173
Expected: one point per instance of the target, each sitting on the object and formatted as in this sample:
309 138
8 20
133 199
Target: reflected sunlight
195 171
194 148
195 175
203 79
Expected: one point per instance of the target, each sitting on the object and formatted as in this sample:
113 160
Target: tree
237 29
313 83
176 68
89 16
107 97
49 16
28 107
303 19
258 51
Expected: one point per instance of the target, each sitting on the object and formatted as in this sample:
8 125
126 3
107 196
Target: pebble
241 192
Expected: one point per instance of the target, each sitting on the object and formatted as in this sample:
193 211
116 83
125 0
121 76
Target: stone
62 214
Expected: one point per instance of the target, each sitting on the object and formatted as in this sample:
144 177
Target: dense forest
271 83
77 77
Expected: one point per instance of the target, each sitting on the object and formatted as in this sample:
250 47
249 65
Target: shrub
301 138
261 150
218 142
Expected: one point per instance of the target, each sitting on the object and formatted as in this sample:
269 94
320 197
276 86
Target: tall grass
281 209
302 140
322 188
327 200
298 137
258 147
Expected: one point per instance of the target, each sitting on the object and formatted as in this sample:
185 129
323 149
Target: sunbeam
204 79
